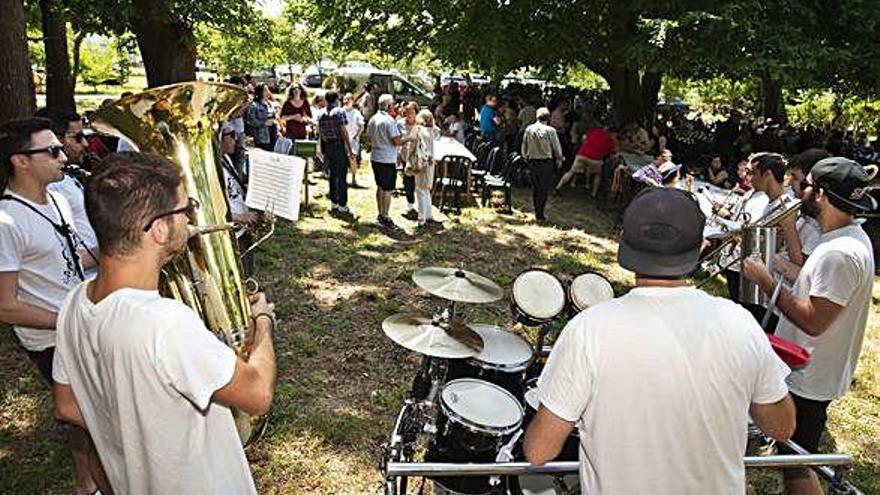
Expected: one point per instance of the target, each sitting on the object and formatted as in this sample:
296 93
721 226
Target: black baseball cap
845 180
662 233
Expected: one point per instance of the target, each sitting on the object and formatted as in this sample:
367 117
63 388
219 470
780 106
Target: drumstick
771 304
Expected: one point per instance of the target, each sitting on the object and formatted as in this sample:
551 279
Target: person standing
354 128
717 370
39 263
337 153
542 151
420 165
261 118
236 189
296 113
68 128
407 123
142 372
827 311
489 118
385 139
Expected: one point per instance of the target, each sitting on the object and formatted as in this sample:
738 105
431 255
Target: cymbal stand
539 345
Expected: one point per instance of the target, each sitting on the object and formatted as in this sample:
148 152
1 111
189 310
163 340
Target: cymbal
458 285
450 340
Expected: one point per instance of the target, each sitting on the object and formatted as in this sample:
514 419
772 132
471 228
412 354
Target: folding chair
453 178
503 181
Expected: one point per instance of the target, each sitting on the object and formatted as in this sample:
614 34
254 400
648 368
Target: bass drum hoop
520 314
475 427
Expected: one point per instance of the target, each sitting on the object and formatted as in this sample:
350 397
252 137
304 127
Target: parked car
390 82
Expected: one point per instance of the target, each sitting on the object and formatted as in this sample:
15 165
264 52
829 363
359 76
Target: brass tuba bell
180 122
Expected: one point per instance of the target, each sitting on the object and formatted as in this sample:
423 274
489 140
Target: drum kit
476 389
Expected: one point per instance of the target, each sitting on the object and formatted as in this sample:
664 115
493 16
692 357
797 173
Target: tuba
180 122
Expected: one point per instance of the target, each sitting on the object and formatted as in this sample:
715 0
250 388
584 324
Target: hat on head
846 181
662 233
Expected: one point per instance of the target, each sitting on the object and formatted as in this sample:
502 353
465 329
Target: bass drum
588 289
503 360
537 297
476 419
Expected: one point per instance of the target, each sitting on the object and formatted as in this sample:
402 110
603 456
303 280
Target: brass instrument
752 238
180 122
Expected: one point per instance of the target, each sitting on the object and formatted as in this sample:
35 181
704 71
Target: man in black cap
827 310
666 374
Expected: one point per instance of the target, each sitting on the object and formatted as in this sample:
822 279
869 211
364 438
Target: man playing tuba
141 372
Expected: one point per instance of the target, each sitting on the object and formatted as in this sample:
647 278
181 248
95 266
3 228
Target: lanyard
63 228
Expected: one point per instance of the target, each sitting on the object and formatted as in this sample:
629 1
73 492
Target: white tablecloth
445 145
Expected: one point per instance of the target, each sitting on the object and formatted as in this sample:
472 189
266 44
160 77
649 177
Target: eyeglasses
228 133
78 136
190 209
55 150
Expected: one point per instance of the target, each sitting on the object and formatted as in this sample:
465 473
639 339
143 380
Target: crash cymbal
447 339
458 285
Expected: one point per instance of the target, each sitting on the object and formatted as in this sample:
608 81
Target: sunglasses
54 150
228 133
805 184
79 136
190 209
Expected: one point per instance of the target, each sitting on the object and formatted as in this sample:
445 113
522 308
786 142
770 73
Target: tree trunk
59 87
771 94
17 98
168 47
634 95
77 54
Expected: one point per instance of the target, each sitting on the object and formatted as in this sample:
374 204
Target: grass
341 381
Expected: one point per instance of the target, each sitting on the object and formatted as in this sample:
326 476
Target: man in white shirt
39 263
236 189
141 372
543 152
827 311
660 382
767 172
68 128
385 140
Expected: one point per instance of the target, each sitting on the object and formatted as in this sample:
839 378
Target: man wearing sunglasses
68 128
39 263
828 308
156 397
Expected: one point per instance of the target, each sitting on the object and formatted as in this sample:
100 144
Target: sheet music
275 181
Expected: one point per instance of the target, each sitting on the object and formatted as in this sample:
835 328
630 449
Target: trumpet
753 238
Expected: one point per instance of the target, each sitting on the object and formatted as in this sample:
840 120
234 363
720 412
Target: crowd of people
147 389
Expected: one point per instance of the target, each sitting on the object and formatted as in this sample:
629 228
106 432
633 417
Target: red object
597 144
793 354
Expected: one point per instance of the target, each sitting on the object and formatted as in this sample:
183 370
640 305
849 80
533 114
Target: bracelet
267 315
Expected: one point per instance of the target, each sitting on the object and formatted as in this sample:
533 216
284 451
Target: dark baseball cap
662 233
845 180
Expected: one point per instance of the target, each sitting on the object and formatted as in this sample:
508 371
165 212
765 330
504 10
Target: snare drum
476 419
589 289
503 360
537 297
572 446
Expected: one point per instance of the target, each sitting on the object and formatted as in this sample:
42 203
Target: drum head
532 399
481 405
590 289
539 294
502 349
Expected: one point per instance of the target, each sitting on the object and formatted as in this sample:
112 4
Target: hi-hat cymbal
457 285
449 339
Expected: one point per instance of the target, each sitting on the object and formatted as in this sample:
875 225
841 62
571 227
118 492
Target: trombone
757 230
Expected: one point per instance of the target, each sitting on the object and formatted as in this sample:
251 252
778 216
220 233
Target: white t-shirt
809 233
143 369
355 121
46 268
840 269
660 382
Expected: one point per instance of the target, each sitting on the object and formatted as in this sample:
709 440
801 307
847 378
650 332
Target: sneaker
422 229
411 215
433 223
334 207
390 225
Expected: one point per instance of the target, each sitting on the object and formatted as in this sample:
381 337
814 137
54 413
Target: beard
176 245
809 206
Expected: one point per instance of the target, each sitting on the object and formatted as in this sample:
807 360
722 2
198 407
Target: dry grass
340 380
